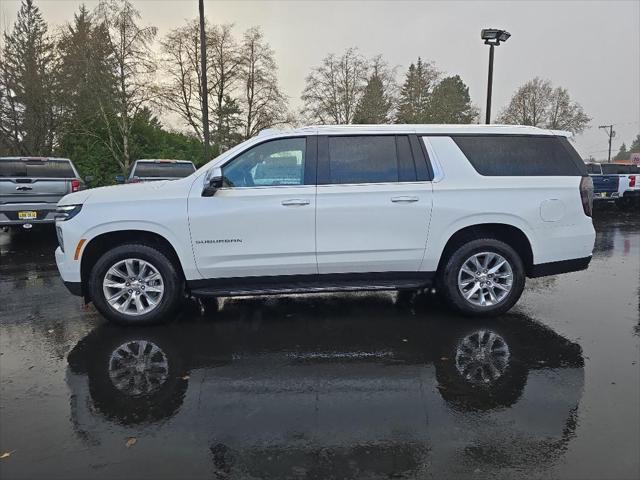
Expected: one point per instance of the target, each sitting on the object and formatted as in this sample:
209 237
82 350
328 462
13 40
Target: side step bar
260 286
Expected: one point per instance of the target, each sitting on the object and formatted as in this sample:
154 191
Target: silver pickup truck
30 188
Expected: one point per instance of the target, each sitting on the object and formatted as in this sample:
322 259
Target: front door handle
404 199
295 202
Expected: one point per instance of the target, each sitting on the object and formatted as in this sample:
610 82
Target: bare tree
334 88
226 65
180 87
538 104
264 105
131 48
565 114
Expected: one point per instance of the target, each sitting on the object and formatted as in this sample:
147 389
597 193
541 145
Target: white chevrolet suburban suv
472 209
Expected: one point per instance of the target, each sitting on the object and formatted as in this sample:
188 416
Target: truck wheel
135 284
482 277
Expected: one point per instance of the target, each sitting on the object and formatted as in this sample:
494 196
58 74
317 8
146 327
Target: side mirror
119 178
88 178
212 182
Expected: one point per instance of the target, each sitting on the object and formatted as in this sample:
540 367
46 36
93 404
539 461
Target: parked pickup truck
154 170
628 186
605 184
30 188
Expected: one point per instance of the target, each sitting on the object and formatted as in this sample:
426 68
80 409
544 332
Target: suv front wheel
135 284
482 277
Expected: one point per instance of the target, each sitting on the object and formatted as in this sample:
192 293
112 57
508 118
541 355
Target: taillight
632 181
586 195
75 185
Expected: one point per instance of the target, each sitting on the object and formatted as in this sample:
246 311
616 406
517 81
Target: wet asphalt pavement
326 386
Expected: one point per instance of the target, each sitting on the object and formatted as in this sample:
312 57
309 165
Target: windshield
163 170
36 168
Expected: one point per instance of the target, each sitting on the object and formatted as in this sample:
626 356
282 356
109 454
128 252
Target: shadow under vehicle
323 387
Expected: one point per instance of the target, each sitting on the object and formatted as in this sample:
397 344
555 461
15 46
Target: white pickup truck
473 209
628 186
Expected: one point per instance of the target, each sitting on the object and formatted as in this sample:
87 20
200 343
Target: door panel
263 222
372 213
372 227
254 231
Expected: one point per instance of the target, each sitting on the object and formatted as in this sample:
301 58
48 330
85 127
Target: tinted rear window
370 159
504 155
36 168
163 170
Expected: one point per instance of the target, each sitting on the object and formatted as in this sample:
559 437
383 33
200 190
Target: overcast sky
592 48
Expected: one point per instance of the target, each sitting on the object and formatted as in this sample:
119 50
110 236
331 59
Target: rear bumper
9 213
556 268
631 194
605 196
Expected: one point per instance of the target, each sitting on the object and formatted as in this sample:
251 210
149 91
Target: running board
237 287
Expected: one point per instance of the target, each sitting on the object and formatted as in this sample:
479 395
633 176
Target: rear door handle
404 199
295 202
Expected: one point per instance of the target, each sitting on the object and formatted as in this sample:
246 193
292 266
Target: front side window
370 159
273 163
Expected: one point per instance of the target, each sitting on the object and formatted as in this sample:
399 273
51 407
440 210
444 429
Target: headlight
60 237
67 212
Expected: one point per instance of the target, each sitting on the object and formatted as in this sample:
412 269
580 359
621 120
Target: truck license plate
29 215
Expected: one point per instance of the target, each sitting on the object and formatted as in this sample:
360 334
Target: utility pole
610 134
205 90
489 86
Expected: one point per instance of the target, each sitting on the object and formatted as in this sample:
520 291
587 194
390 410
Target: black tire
173 284
448 277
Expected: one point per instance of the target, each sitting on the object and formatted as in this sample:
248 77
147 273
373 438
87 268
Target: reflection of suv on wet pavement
347 384
476 209
30 188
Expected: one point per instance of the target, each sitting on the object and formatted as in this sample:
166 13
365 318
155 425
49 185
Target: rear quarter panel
548 210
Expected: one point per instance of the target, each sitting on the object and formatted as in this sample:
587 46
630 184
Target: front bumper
75 288
68 268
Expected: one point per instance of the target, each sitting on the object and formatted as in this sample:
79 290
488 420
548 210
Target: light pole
492 37
205 100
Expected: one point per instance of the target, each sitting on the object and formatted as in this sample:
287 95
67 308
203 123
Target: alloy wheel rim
485 279
133 286
138 367
482 357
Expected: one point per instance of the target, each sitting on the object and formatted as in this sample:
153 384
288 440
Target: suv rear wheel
483 277
135 284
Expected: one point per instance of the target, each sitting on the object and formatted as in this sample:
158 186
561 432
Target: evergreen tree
28 85
635 145
622 154
413 106
374 106
450 102
87 81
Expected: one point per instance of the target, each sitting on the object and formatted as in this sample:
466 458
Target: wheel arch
507 233
103 242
